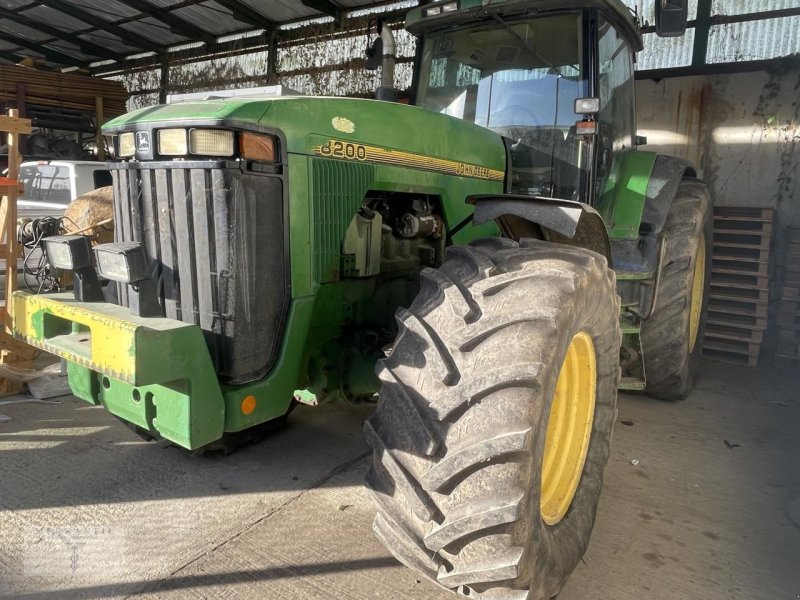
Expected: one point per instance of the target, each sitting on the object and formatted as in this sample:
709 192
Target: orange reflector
586 127
253 146
248 405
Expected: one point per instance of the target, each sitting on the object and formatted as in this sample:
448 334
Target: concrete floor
89 511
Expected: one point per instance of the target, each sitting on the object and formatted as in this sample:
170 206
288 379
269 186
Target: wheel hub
569 429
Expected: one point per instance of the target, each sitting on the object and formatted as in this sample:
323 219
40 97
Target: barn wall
743 133
741 130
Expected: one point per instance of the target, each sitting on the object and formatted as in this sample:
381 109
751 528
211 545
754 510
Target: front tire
495 415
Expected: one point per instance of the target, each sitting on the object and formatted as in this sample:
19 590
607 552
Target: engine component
419 226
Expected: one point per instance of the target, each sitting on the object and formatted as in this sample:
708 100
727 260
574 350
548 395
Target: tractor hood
420 138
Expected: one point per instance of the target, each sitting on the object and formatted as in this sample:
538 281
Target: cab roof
477 11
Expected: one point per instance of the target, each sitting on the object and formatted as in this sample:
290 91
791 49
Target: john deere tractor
501 250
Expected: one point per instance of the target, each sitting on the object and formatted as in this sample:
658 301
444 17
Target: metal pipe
386 91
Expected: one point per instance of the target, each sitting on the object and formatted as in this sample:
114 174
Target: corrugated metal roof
99 31
753 40
741 7
665 53
646 9
95 31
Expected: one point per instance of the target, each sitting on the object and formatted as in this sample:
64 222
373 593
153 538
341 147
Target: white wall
741 130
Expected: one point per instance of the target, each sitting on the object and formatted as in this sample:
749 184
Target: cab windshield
519 78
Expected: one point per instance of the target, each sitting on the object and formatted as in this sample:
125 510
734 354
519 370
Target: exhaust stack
387 91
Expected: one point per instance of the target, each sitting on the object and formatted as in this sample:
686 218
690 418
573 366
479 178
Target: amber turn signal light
254 146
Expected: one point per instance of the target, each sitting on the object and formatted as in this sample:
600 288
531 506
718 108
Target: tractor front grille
219 237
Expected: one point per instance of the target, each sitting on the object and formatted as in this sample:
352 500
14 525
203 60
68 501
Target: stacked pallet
788 315
61 90
739 297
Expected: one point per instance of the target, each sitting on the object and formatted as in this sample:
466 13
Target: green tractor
501 249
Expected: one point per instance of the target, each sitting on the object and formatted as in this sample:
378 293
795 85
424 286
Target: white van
50 185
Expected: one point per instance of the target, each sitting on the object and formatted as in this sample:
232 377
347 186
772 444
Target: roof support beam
51 55
702 29
128 37
10 56
242 12
326 7
176 24
85 45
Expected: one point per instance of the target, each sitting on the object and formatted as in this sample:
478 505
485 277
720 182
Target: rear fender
562 221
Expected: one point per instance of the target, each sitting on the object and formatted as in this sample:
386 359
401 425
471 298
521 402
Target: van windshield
46 183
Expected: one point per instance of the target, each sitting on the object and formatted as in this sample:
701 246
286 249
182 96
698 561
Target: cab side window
617 98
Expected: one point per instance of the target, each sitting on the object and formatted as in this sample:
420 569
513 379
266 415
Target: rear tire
460 433
671 344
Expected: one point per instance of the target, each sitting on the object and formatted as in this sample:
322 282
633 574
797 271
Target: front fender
562 221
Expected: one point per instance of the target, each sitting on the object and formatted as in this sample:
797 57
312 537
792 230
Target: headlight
127 144
172 142
254 146
587 106
211 142
125 262
68 252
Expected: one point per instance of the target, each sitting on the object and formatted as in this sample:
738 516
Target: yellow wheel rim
698 283
569 429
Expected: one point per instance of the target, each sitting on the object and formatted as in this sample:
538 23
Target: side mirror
374 55
671 17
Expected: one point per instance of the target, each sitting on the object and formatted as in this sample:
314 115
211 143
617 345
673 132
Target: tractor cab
555 82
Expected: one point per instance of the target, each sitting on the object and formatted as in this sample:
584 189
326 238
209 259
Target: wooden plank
740 252
12 351
736 320
11 344
737 307
741 240
9 224
744 212
733 346
725 292
728 332
726 265
732 278
732 357
747 227
13 124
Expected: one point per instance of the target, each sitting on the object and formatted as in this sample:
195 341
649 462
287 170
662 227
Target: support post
12 351
22 107
702 28
164 81
99 118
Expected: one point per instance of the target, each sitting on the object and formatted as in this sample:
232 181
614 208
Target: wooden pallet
739 294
